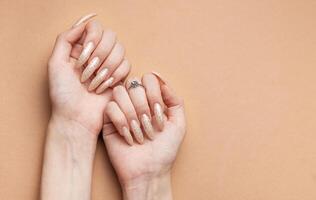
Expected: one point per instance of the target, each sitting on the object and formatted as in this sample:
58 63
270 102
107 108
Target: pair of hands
142 126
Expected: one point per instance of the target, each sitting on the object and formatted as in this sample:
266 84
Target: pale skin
144 170
83 105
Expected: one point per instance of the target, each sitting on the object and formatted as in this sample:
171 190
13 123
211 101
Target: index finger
67 39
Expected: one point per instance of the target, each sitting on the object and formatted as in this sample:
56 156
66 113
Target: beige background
246 70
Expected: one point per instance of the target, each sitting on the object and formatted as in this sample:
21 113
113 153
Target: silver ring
135 84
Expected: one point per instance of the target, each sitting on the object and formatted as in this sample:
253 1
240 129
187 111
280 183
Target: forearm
148 188
68 161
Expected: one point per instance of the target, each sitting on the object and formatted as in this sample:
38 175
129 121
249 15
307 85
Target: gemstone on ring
134 84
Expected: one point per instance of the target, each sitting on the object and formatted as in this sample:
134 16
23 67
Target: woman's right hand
137 112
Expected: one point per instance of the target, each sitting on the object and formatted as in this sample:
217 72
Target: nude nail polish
88 71
137 131
148 126
84 19
127 136
159 115
98 79
84 56
105 85
159 77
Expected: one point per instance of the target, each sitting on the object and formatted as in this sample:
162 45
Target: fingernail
84 56
88 71
98 79
84 19
105 85
147 126
127 136
137 131
159 77
159 115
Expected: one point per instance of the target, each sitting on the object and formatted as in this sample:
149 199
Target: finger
117 117
119 74
173 102
99 54
82 39
122 98
108 128
139 100
153 92
108 67
64 42
78 47
76 51
84 18
94 31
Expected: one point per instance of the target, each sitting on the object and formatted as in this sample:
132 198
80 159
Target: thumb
174 104
67 39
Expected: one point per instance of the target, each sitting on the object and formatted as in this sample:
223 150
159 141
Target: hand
144 167
77 114
82 51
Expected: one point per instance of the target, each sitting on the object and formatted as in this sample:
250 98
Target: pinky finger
119 74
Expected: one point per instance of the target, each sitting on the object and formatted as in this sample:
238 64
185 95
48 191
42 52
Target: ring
135 84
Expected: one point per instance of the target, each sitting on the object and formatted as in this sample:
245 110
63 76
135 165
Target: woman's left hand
85 53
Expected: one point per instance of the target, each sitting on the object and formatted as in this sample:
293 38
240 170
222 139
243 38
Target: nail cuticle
84 56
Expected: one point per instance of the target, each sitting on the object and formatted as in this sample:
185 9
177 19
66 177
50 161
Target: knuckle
61 36
119 49
110 106
119 121
128 69
153 96
148 76
130 114
149 80
126 64
111 33
142 108
94 22
118 90
118 74
114 60
93 35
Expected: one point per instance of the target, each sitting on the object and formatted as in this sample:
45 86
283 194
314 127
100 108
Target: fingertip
127 136
83 19
169 96
160 78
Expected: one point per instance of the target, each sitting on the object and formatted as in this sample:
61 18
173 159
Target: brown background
246 70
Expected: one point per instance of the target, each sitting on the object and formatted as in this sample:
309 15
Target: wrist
71 138
90 121
71 128
156 187
68 160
